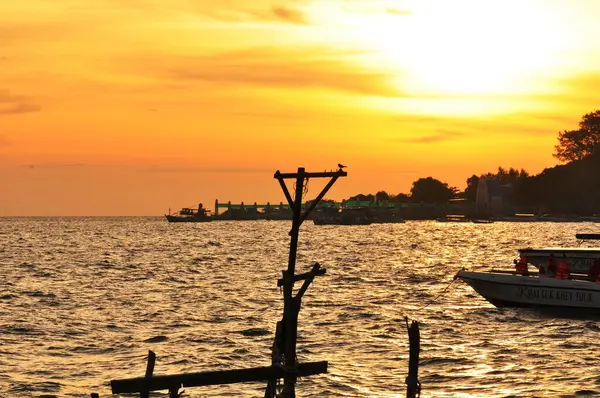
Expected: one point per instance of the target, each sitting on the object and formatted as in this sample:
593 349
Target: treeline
569 188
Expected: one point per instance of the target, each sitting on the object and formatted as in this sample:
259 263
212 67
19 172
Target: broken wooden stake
413 385
149 371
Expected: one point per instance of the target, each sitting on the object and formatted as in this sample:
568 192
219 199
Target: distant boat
453 218
357 216
188 214
340 221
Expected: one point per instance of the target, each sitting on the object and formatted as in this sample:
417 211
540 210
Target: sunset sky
129 107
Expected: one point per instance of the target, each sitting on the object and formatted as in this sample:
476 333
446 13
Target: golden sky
129 107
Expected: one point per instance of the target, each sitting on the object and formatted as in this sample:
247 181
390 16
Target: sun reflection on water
84 299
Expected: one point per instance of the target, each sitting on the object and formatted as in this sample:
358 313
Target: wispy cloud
439 136
582 88
397 11
58 166
399 171
276 115
14 104
244 13
289 14
286 11
200 169
436 129
306 67
11 32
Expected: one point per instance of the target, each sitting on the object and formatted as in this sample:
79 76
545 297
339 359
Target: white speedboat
580 259
507 289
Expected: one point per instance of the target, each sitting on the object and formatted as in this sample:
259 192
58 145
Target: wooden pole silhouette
284 364
284 346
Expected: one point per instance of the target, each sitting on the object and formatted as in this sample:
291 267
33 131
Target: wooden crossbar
339 173
169 382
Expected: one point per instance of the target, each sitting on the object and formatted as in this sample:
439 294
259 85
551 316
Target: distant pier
281 211
375 211
241 211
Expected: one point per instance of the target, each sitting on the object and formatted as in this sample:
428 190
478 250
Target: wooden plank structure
284 364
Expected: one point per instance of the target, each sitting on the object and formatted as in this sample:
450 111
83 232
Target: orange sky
129 107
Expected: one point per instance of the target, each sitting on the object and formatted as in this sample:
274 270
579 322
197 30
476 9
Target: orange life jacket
563 270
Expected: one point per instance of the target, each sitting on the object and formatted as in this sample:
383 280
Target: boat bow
511 290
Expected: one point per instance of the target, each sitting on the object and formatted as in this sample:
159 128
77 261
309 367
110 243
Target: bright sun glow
467 47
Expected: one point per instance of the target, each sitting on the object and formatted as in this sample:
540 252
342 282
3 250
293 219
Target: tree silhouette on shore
577 144
570 188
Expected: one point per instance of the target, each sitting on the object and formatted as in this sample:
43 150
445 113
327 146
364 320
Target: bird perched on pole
341 166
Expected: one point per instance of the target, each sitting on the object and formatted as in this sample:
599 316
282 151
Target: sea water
82 300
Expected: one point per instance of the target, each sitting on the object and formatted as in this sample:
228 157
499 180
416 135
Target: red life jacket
563 270
521 266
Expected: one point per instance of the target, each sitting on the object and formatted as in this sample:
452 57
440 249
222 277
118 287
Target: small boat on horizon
453 218
358 216
481 221
189 214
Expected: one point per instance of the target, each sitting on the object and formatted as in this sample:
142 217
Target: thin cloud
15 104
39 31
272 67
362 7
289 15
200 169
397 11
399 171
273 115
439 136
57 166
523 124
245 11
581 88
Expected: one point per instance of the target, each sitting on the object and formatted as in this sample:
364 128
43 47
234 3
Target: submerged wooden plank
167 382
